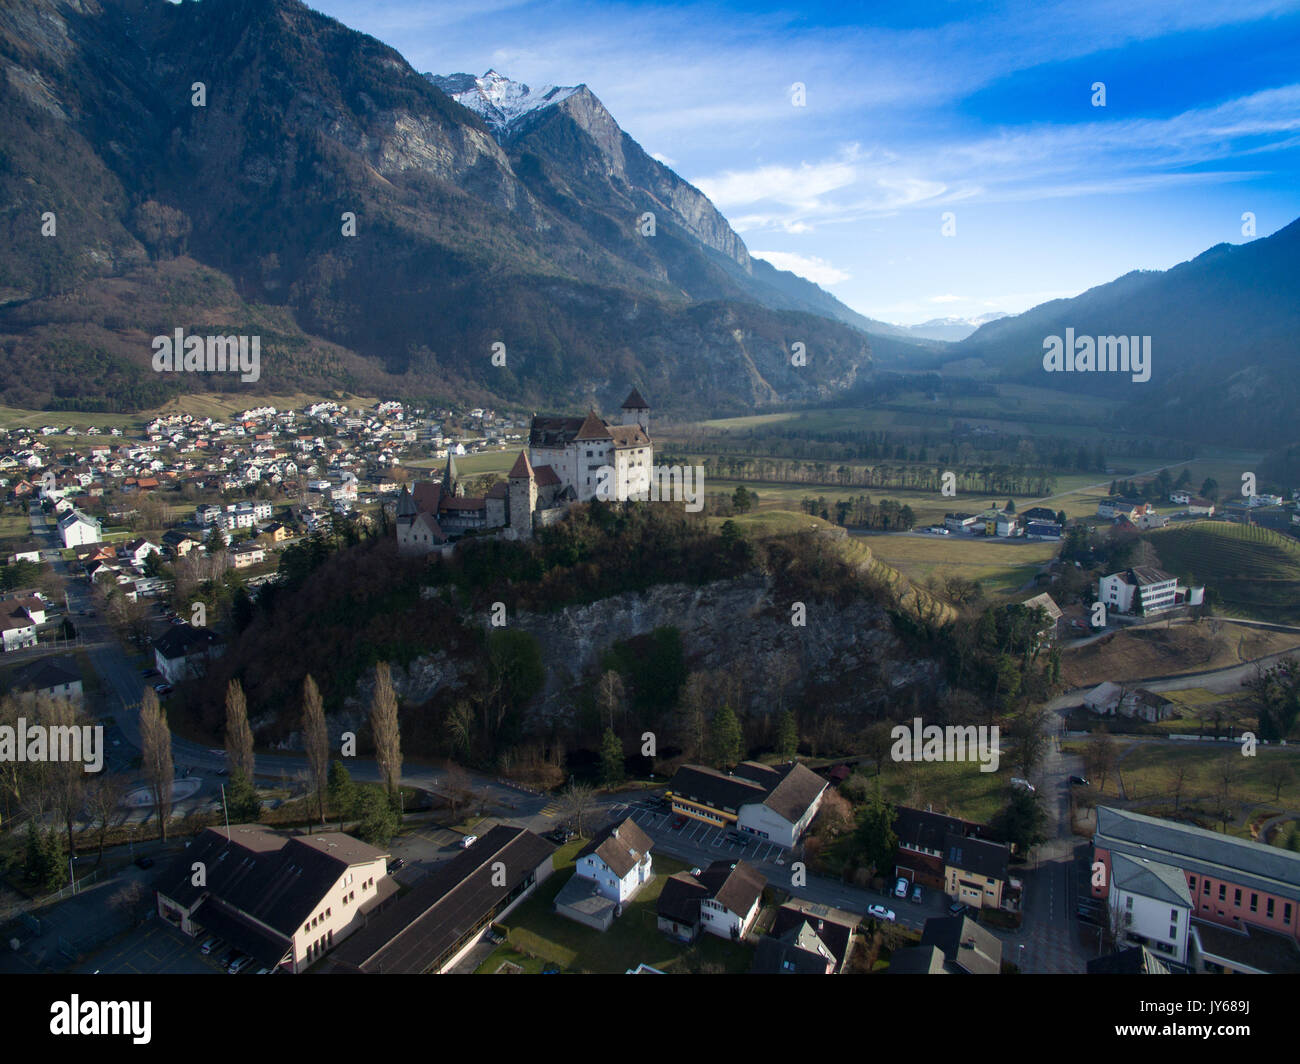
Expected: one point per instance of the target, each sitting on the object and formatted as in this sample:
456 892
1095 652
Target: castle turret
636 411
523 497
451 486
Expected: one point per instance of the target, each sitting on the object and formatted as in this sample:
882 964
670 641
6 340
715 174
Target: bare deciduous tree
610 695
316 742
104 805
156 756
576 801
64 777
385 730
239 736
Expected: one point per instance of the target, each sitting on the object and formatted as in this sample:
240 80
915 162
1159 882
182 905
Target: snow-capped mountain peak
500 102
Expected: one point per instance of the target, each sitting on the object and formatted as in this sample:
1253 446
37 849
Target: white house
78 529
247 554
183 651
735 892
1143 589
17 629
54 677
1151 905
617 860
137 550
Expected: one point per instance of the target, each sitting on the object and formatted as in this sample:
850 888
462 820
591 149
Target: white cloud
819 271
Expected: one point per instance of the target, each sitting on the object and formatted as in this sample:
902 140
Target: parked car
211 944
163 688
146 673
239 964
396 864
679 823
738 837
144 862
880 912
1080 781
900 888
264 970
958 908
468 841
918 894
1024 785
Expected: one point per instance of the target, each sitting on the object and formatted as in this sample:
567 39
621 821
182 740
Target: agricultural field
1255 571
1003 567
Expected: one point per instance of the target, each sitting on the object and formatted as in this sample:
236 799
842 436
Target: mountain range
383 230
211 189
1224 330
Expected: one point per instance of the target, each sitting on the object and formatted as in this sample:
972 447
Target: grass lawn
957 788
1002 566
472 465
539 938
1149 772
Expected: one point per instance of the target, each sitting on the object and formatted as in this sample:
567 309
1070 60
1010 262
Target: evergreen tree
875 832
342 791
728 743
787 740
378 820
242 802
611 759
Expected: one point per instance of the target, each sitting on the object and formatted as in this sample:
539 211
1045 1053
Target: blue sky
983 110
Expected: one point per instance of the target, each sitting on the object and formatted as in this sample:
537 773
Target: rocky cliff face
734 624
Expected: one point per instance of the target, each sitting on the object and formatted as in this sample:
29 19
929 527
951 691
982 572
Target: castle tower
636 411
451 485
522 498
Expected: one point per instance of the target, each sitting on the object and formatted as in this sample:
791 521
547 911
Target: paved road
699 844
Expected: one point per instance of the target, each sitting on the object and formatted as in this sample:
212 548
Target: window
1254 903
1173 931
1223 892
1191 882
1173 916
1205 887
1269 911
1286 913
1236 897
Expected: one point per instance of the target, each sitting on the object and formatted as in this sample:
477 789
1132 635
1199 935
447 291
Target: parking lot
155 948
702 835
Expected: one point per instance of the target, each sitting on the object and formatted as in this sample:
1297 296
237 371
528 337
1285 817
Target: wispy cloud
810 267
1038 162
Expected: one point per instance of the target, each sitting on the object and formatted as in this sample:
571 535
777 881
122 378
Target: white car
468 841
1016 781
239 964
880 912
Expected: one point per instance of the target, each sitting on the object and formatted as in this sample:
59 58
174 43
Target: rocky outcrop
733 624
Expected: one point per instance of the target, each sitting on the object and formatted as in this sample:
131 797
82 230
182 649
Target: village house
723 899
283 900
183 651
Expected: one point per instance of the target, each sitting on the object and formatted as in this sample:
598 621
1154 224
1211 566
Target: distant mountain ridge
514 217
1225 337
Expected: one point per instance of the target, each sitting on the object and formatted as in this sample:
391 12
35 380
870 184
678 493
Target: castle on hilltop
568 460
